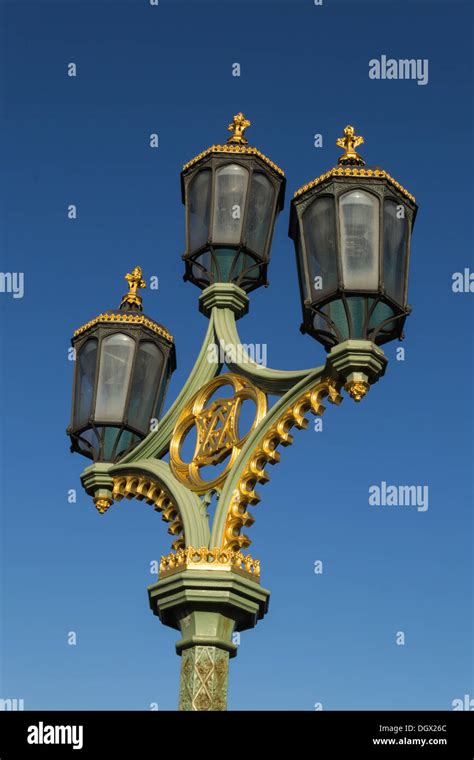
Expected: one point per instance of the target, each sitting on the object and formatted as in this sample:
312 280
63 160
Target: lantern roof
236 143
351 164
130 311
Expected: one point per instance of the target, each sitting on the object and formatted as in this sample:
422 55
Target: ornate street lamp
123 364
232 195
351 228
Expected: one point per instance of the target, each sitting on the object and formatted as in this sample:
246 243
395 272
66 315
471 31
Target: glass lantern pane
126 441
356 328
250 271
223 268
323 326
202 268
395 234
89 436
199 209
161 395
319 323
319 231
380 314
109 437
230 195
146 375
86 365
259 213
114 376
303 280
336 311
359 217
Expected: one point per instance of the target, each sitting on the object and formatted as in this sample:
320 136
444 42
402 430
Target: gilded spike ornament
236 143
238 126
349 143
135 280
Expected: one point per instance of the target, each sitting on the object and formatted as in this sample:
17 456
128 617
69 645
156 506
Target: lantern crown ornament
238 126
132 299
352 227
349 143
124 360
233 194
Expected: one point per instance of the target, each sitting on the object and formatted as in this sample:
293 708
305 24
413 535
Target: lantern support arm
272 431
354 364
138 479
274 381
152 481
224 304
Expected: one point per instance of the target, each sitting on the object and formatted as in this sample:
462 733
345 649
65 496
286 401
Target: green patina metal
276 382
274 413
204 678
208 607
195 521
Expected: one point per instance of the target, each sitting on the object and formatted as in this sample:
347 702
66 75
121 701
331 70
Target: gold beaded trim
139 319
232 148
265 452
209 559
345 172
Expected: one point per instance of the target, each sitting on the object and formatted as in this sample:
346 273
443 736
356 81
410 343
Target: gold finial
357 390
348 143
135 280
237 127
102 503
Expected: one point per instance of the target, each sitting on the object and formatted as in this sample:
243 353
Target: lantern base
358 364
99 484
224 295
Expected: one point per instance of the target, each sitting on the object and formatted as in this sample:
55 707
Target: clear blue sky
327 638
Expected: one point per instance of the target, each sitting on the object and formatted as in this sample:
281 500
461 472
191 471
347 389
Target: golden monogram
217 430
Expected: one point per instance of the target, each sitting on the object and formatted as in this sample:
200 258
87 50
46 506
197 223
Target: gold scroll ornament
217 430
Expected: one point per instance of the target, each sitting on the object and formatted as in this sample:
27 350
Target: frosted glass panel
145 385
231 191
86 364
319 227
360 240
394 250
114 376
259 213
199 209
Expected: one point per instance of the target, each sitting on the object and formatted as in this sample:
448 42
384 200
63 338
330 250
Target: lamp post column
208 607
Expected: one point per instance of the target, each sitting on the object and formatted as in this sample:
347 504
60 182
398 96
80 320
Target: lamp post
351 228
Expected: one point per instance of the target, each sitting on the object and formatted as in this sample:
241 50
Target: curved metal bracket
152 481
274 381
261 449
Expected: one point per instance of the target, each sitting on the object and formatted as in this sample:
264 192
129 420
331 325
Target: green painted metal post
208 607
